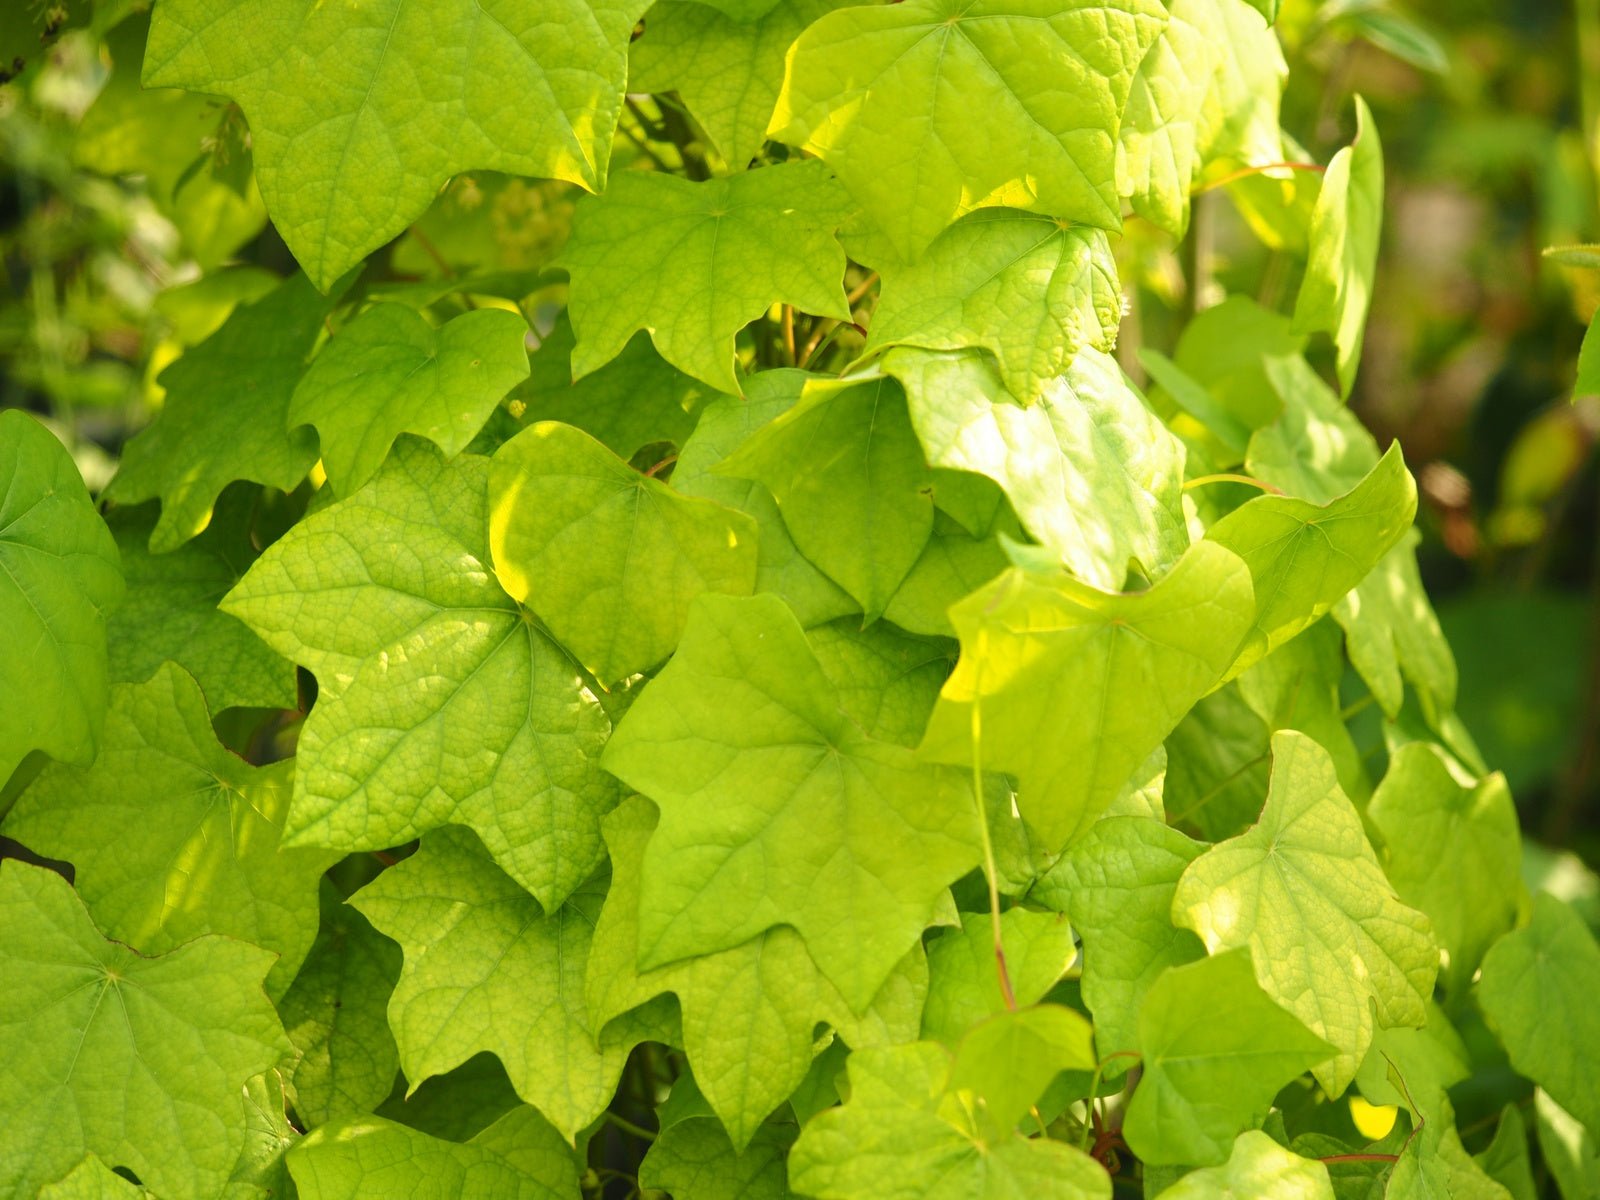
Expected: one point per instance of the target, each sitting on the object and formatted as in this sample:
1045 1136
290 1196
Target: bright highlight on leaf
927 109
1303 890
608 558
359 113
1075 687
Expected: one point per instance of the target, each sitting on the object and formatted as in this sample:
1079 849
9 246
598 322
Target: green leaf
1091 472
169 612
160 134
1537 991
1007 1061
172 836
457 1105
358 115
723 427
609 559
1391 631
1029 289
1506 1160
727 67
261 1169
851 482
142 1061
58 578
903 1136
336 1015
1078 686
1345 227
1302 888
635 399
963 977
439 700
519 1157
749 1014
695 262
1439 829
1305 557
953 564
1216 1050
389 372
1567 1149
487 969
776 809
1208 89
226 414
91 1180
1257 1167
928 111
694 1158
1433 1162
1117 885
887 680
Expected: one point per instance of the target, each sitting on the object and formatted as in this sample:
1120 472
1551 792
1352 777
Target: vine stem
990 873
1094 1086
1228 477
628 1127
1246 172
1338 1158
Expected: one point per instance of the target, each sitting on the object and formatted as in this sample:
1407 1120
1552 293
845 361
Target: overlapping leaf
964 978
777 810
1029 289
358 114
1073 688
608 558
904 1136
440 703
1117 884
728 68
1215 1051
226 414
141 1061
1302 888
891 99
1439 830
1258 1166
1538 991
694 263
1090 471
389 372
1344 247
58 576
487 969
749 1013
851 482
172 836
169 612
519 1157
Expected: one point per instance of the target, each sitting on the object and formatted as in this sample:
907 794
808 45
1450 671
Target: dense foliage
676 629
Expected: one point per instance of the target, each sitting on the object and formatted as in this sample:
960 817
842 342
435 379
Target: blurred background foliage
1489 112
